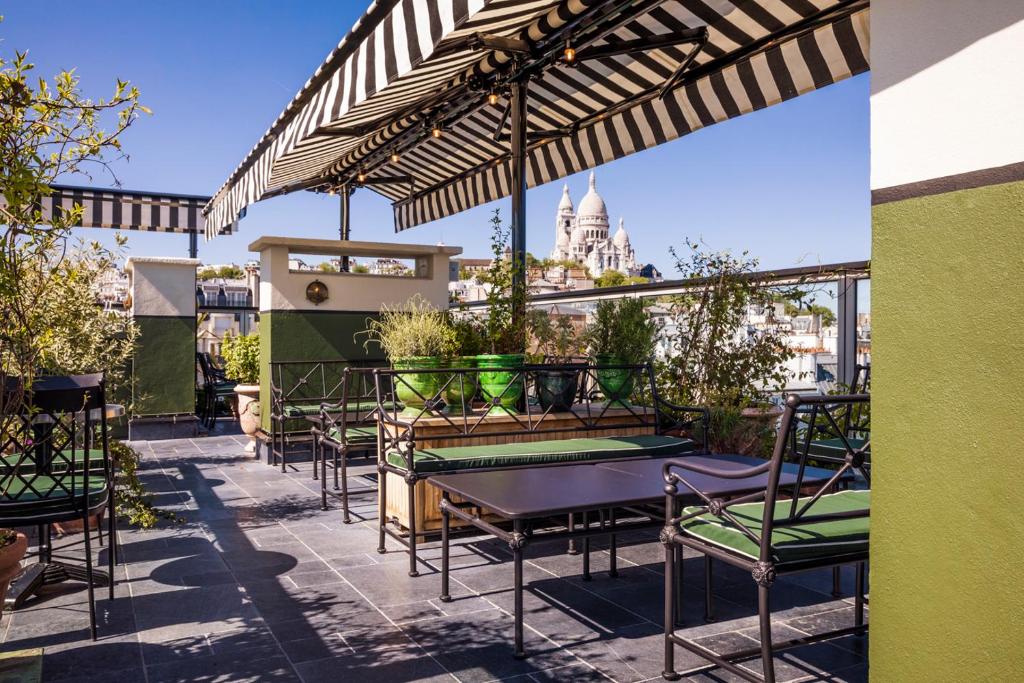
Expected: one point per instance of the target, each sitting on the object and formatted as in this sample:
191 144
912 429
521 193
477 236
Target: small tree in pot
555 341
716 359
504 330
414 336
242 364
460 389
621 333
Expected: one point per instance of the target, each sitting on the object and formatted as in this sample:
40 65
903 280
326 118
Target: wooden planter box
428 498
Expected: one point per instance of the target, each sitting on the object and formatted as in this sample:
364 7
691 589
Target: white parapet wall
293 328
163 305
283 289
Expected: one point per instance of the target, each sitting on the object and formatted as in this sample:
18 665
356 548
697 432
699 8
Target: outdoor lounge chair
47 476
345 427
297 389
530 437
773 532
216 388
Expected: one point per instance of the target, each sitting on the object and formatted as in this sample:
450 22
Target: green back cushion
543 452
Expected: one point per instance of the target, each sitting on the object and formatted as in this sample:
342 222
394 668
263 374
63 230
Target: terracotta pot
10 562
248 397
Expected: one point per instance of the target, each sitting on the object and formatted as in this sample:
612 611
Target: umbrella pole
344 220
518 143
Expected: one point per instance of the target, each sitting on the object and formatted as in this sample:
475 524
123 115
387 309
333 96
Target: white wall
162 286
282 289
943 93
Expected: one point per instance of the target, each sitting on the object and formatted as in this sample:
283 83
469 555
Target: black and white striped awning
410 65
130 209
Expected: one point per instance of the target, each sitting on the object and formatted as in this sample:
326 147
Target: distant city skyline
788 184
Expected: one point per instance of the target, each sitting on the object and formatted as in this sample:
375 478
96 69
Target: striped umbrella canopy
130 209
413 103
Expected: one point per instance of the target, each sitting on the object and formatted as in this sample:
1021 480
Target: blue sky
788 184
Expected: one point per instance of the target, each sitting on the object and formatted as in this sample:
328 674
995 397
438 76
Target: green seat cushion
834 447
223 388
59 463
801 542
304 409
27 489
543 452
361 434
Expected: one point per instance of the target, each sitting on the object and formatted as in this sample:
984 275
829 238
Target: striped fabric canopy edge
398 63
130 209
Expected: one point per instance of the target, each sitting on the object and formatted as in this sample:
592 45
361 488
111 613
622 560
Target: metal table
623 495
48 569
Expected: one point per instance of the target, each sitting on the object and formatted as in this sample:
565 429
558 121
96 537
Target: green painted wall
308 335
164 368
947 517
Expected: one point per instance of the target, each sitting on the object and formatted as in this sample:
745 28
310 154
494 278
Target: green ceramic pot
462 387
557 389
414 389
615 383
502 387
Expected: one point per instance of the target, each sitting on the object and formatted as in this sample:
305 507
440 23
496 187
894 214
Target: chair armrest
684 464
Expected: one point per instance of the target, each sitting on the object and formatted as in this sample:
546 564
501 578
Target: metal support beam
345 221
193 244
846 348
518 150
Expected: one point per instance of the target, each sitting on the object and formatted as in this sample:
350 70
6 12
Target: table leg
586 548
613 570
709 601
572 541
519 541
671 612
445 595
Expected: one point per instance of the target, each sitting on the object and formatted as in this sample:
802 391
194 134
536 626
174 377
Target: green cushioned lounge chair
787 527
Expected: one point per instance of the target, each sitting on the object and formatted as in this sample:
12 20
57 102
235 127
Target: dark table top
539 491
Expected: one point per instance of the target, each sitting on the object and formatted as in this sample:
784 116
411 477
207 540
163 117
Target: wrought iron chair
216 387
54 471
772 532
346 426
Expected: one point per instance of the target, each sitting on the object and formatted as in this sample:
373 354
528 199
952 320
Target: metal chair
55 471
772 532
216 386
348 425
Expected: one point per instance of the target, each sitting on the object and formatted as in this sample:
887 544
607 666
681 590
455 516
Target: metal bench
463 405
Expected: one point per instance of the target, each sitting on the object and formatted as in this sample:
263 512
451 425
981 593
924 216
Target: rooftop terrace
257 583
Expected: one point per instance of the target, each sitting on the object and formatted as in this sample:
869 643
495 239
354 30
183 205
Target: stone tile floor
257 583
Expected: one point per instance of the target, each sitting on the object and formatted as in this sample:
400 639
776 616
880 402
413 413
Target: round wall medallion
316 292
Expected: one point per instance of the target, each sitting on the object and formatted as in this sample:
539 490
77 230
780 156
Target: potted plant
13 545
242 364
715 359
555 341
504 330
621 333
413 336
469 343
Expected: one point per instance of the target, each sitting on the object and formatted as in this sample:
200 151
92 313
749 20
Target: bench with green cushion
454 458
58 464
834 447
791 543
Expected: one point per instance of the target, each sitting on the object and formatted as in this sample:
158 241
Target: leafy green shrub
469 336
554 337
624 329
131 500
415 329
242 358
505 330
